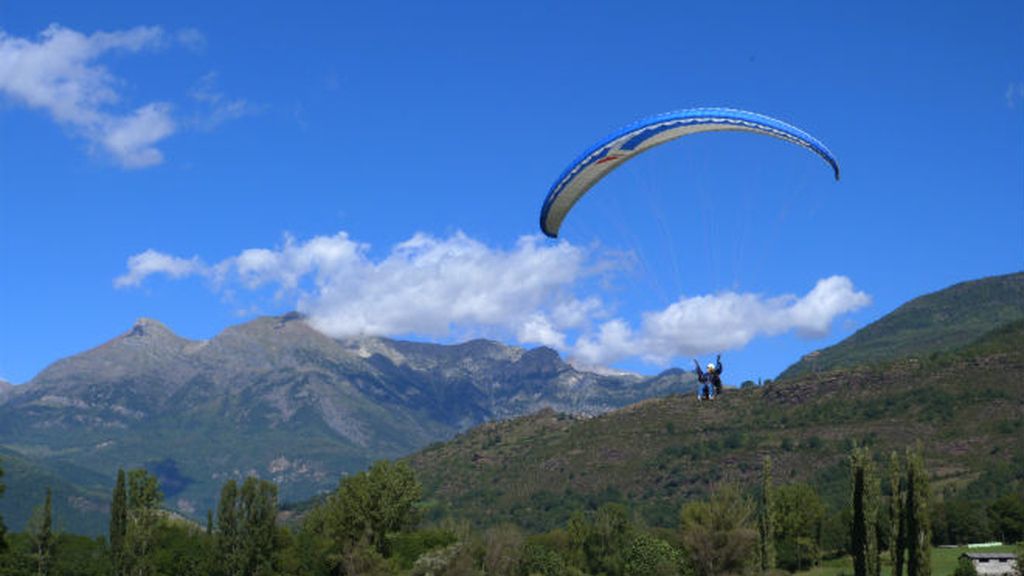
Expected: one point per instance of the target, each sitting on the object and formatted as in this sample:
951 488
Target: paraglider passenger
711 380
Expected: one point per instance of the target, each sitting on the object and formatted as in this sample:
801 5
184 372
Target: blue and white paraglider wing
616 149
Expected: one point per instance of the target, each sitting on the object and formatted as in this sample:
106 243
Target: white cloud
59 74
432 286
150 262
534 292
702 324
131 138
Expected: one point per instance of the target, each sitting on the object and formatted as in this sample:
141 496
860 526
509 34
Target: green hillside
943 320
80 507
965 407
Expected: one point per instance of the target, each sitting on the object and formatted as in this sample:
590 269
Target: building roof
990 555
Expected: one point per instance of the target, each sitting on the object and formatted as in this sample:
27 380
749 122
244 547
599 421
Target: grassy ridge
965 407
941 321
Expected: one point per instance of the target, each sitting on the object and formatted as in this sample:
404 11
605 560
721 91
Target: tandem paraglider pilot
711 381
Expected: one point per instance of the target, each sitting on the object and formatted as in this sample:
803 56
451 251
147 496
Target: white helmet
711 367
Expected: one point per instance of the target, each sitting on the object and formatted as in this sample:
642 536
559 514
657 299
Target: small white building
992 563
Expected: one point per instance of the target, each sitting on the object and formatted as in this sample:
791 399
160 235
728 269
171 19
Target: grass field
943 562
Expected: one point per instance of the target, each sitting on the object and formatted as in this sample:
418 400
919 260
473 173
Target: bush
965 568
650 556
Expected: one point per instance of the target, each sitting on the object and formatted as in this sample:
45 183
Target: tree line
372 525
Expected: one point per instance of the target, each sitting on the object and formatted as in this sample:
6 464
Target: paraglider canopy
611 152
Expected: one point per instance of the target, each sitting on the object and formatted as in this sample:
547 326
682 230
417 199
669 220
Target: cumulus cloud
702 324
432 286
150 262
535 292
59 74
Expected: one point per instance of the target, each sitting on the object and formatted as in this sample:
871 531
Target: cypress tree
766 521
872 496
209 522
918 533
896 519
118 523
864 528
44 537
858 529
3 529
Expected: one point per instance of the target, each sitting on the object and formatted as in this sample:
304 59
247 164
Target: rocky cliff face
276 398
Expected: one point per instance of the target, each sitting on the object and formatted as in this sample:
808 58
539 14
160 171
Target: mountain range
505 433
272 397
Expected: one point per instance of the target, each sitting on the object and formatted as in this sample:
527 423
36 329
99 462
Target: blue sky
381 166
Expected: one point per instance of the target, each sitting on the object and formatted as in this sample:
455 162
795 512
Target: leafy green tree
77 555
502 548
371 505
598 542
799 516
608 539
917 522
719 535
258 530
406 547
650 556
118 523
229 543
74 555
362 558
1007 517
247 537
311 550
141 520
964 567
766 519
577 529
956 520
20 558
182 549
539 560
835 531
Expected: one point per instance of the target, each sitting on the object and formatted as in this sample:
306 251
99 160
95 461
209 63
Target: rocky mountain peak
148 327
543 359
